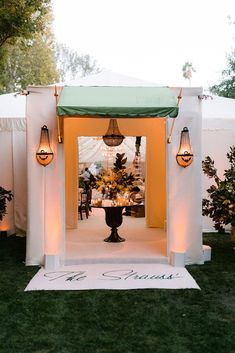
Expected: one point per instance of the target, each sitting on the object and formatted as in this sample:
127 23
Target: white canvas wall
45 185
13 160
45 229
218 134
184 220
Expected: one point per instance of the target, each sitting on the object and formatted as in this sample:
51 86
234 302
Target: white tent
108 78
218 134
93 149
13 159
173 195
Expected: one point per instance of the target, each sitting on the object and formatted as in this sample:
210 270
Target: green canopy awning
117 102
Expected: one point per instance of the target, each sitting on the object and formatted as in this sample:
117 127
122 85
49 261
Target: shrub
220 204
5 195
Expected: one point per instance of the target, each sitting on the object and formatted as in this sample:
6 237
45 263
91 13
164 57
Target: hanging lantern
113 137
44 153
184 156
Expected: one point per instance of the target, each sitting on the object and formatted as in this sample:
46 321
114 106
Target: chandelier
113 137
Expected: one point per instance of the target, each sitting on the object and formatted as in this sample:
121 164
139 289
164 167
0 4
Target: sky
150 39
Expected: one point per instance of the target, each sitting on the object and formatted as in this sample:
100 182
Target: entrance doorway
112 173
145 237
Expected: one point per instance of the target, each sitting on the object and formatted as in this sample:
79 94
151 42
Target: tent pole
60 140
173 122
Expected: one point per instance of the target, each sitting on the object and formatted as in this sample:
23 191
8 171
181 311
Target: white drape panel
19 179
45 222
90 149
12 124
216 144
6 178
184 199
218 134
13 171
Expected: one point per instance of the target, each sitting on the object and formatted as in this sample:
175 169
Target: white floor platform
142 245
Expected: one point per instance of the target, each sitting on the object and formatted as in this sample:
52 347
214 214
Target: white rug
112 276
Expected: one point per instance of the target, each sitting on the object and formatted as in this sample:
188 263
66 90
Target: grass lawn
136 321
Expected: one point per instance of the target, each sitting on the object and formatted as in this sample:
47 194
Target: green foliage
122 176
28 62
226 88
117 179
5 195
27 58
120 162
28 53
22 19
220 204
70 64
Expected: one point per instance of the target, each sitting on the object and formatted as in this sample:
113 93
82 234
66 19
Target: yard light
44 153
113 137
184 156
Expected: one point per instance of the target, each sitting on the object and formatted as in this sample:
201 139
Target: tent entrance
154 130
85 244
86 112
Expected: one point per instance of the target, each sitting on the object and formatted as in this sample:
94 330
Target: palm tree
188 70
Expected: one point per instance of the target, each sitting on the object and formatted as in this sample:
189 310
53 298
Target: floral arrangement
110 182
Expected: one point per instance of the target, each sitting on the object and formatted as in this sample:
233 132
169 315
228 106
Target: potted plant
5 195
220 204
